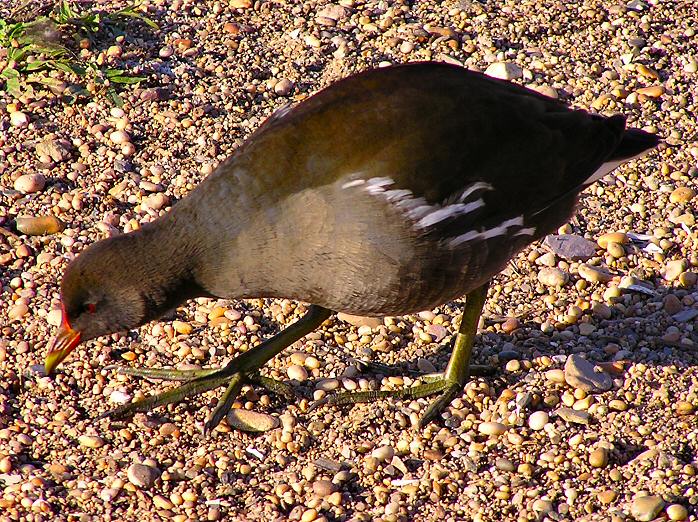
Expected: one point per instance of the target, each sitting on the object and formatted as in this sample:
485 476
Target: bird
389 192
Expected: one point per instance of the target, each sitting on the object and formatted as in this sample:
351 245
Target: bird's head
100 295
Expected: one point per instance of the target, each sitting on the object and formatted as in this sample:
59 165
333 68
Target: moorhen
389 192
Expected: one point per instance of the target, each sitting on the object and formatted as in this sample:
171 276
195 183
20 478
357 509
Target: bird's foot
433 384
195 383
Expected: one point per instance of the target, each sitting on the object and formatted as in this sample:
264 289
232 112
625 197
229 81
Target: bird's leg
449 384
237 372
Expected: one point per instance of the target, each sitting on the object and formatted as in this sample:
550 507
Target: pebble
91 441
39 225
17 311
537 420
620 238
323 488
594 274
677 512
552 277
492 428
598 458
682 195
30 183
251 421
504 71
674 269
570 246
119 137
359 320
182 328
672 304
581 374
555 375
383 453
283 87
19 119
646 508
297 372
142 475
572 415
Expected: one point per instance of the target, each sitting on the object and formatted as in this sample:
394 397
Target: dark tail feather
634 142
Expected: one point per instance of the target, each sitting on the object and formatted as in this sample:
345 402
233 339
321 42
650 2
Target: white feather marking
354 183
526 231
500 230
480 185
449 211
610 166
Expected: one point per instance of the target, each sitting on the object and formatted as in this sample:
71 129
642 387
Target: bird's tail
633 144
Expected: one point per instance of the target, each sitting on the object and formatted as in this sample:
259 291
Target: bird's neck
162 263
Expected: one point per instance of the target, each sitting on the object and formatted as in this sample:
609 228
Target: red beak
63 343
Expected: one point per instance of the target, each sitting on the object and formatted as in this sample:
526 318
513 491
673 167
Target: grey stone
580 373
570 246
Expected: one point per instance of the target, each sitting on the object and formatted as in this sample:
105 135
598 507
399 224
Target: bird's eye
91 307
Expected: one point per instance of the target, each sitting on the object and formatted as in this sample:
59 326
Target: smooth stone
323 488
537 420
598 458
504 71
30 183
142 476
594 274
252 421
555 375
620 238
672 304
19 119
581 374
547 259
91 441
297 372
283 87
492 428
119 137
572 415
359 320
17 311
644 509
503 464
119 397
673 269
677 512
383 453
682 195
586 329
552 277
39 225
570 246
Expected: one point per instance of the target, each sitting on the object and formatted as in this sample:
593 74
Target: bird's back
400 188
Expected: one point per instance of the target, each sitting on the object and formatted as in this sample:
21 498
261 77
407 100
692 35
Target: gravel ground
548 437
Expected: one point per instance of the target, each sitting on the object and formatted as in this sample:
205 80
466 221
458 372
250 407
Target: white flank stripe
480 185
449 211
355 183
500 230
526 231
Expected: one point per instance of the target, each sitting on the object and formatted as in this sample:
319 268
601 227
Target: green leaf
12 83
126 79
35 65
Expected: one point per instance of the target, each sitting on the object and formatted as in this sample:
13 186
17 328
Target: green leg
449 384
237 372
